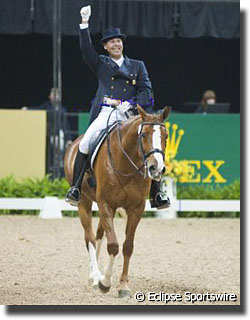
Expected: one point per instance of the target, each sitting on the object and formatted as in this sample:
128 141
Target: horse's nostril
152 168
163 170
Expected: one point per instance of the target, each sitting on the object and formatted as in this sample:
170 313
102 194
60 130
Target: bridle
139 142
152 151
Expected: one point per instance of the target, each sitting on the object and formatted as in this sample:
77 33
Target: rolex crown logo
173 141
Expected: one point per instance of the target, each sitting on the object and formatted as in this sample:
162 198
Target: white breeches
98 124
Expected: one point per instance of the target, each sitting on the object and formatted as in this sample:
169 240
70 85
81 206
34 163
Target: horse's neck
129 141
130 138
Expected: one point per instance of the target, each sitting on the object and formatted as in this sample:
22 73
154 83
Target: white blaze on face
157 145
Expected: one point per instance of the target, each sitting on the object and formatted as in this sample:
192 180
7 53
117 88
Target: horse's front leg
128 246
99 240
106 219
85 213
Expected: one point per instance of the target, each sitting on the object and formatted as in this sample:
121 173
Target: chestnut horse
124 166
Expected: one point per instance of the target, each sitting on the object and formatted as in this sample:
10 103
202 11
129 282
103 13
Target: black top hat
112 33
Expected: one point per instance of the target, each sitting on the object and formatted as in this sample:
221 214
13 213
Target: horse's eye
143 135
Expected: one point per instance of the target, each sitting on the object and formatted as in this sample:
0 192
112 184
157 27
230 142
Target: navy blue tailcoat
130 82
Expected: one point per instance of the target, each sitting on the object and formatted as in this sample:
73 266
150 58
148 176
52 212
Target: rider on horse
119 78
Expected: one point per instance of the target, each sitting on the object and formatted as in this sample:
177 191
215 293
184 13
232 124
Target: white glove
85 13
111 102
125 108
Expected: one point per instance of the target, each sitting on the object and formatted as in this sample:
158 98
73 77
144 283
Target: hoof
95 286
124 294
93 283
103 288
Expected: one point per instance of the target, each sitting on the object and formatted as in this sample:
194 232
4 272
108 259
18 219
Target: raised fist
85 13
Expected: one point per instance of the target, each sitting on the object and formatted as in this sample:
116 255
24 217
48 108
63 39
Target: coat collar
112 63
119 61
115 66
124 69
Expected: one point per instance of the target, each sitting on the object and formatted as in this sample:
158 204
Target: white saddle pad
92 160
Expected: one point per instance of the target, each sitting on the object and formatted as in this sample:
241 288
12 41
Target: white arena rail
52 207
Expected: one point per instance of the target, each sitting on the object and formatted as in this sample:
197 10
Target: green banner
83 122
210 143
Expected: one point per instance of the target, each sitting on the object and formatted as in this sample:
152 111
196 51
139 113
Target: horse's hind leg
85 213
128 246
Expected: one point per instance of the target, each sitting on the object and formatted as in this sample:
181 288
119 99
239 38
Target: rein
137 169
139 141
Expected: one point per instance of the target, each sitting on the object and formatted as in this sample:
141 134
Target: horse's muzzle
163 170
155 173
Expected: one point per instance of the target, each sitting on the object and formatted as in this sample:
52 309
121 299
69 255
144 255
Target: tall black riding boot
157 198
80 167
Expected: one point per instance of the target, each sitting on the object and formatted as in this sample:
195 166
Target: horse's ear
142 112
165 113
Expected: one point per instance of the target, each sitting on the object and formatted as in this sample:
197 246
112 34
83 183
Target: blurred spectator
48 105
64 132
208 98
